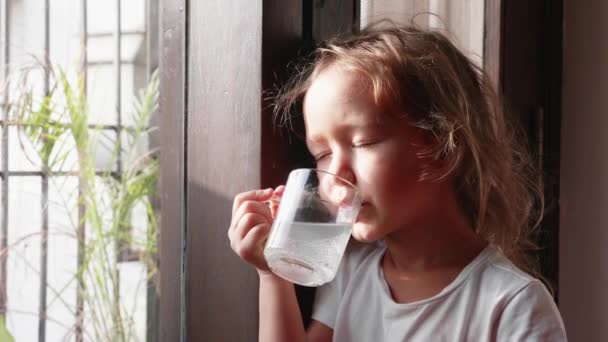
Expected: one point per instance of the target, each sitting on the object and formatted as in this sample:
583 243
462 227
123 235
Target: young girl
449 200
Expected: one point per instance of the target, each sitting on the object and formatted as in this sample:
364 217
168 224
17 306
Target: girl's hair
422 74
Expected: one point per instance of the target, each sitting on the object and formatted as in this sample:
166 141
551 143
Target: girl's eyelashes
321 156
364 143
360 144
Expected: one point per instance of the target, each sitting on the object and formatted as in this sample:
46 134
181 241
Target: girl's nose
346 174
337 191
341 166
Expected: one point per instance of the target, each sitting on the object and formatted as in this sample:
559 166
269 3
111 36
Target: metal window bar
152 41
81 234
113 34
117 65
45 191
5 106
52 173
91 126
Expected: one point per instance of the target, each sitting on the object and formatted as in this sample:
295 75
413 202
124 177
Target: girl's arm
319 332
280 318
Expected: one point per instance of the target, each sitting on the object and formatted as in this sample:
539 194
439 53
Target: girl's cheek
366 165
323 164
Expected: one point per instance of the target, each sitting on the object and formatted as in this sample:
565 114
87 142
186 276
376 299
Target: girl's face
349 135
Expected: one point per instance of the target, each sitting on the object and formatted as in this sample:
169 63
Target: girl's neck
443 240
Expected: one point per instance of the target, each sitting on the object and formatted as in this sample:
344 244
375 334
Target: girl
449 200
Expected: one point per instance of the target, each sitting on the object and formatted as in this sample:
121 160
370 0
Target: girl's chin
364 233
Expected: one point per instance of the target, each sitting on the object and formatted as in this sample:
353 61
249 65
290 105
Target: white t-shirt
490 300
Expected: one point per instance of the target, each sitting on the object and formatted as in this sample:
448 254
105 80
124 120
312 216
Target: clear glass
312 227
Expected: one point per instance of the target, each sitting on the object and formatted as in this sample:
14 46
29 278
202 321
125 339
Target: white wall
583 279
461 21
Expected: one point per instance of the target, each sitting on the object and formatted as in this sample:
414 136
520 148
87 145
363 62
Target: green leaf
5 335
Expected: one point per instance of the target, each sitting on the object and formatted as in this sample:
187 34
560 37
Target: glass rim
353 186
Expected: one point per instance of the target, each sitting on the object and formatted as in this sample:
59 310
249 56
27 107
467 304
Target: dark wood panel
531 84
172 108
224 147
549 144
492 49
522 64
333 16
282 43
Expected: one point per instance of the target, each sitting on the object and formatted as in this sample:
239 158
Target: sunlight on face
350 136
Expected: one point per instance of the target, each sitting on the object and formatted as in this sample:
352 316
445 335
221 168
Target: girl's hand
252 215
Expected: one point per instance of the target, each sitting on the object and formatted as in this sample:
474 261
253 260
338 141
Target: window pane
103 144
1 143
23 266
2 213
102 90
64 156
102 47
101 85
99 273
62 256
102 15
22 154
64 34
133 287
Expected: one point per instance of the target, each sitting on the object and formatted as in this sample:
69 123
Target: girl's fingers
253 207
252 217
275 200
251 246
253 195
246 223
279 191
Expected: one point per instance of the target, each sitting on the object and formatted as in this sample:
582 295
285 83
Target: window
462 21
78 170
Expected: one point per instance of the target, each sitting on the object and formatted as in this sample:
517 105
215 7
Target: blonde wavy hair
421 73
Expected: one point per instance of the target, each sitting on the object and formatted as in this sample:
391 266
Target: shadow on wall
221 289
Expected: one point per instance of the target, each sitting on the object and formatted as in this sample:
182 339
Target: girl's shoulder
499 266
522 299
499 275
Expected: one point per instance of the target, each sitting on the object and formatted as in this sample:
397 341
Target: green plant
57 125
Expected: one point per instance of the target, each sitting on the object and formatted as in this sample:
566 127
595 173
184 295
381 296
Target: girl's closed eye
365 143
320 156
369 141
356 145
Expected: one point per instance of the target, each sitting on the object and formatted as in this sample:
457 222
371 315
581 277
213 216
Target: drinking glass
312 227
